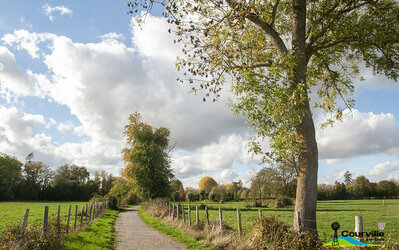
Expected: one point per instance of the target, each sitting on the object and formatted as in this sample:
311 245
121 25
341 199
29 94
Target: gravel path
133 233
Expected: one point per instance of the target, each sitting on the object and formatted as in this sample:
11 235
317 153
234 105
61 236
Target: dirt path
133 233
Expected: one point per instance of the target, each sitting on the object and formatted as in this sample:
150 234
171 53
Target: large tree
146 157
36 178
276 52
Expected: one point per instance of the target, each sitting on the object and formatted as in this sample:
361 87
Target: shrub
13 237
272 233
112 202
97 198
282 202
190 196
261 204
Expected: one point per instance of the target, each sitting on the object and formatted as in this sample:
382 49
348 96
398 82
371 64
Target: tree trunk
306 195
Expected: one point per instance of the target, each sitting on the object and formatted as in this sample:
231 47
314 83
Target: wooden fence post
196 215
69 216
207 215
81 215
76 216
25 222
91 211
189 215
58 215
221 219
260 213
177 209
182 213
86 214
173 211
239 221
359 226
45 220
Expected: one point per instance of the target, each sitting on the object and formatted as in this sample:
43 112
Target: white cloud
63 127
359 134
112 37
16 80
330 179
19 136
29 41
48 10
219 160
386 170
153 40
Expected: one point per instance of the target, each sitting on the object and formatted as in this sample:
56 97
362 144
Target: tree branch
260 65
267 28
347 8
274 12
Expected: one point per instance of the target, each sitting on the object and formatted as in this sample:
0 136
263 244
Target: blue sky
72 71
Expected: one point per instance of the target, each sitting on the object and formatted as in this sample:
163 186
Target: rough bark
306 197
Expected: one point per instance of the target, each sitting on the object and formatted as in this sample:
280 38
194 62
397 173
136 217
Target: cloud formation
101 83
359 134
49 11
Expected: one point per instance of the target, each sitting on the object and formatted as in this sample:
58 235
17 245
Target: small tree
207 183
348 178
147 160
181 193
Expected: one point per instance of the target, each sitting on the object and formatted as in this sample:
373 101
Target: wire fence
70 216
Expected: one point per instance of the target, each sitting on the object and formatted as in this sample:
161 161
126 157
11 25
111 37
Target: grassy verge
100 235
174 232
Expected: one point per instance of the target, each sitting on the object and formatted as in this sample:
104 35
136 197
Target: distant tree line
280 182
33 180
359 188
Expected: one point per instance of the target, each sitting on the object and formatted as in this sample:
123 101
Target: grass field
13 212
342 211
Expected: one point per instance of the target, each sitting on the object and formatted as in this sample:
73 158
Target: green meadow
342 211
13 212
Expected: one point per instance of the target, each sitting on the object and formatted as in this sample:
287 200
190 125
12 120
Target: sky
72 71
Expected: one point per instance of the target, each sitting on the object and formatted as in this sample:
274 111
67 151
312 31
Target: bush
190 196
261 204
282 202
97 198
272 233
112 202
13 237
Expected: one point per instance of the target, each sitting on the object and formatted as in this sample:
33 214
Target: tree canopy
10 175
146 157
275 52
207 183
